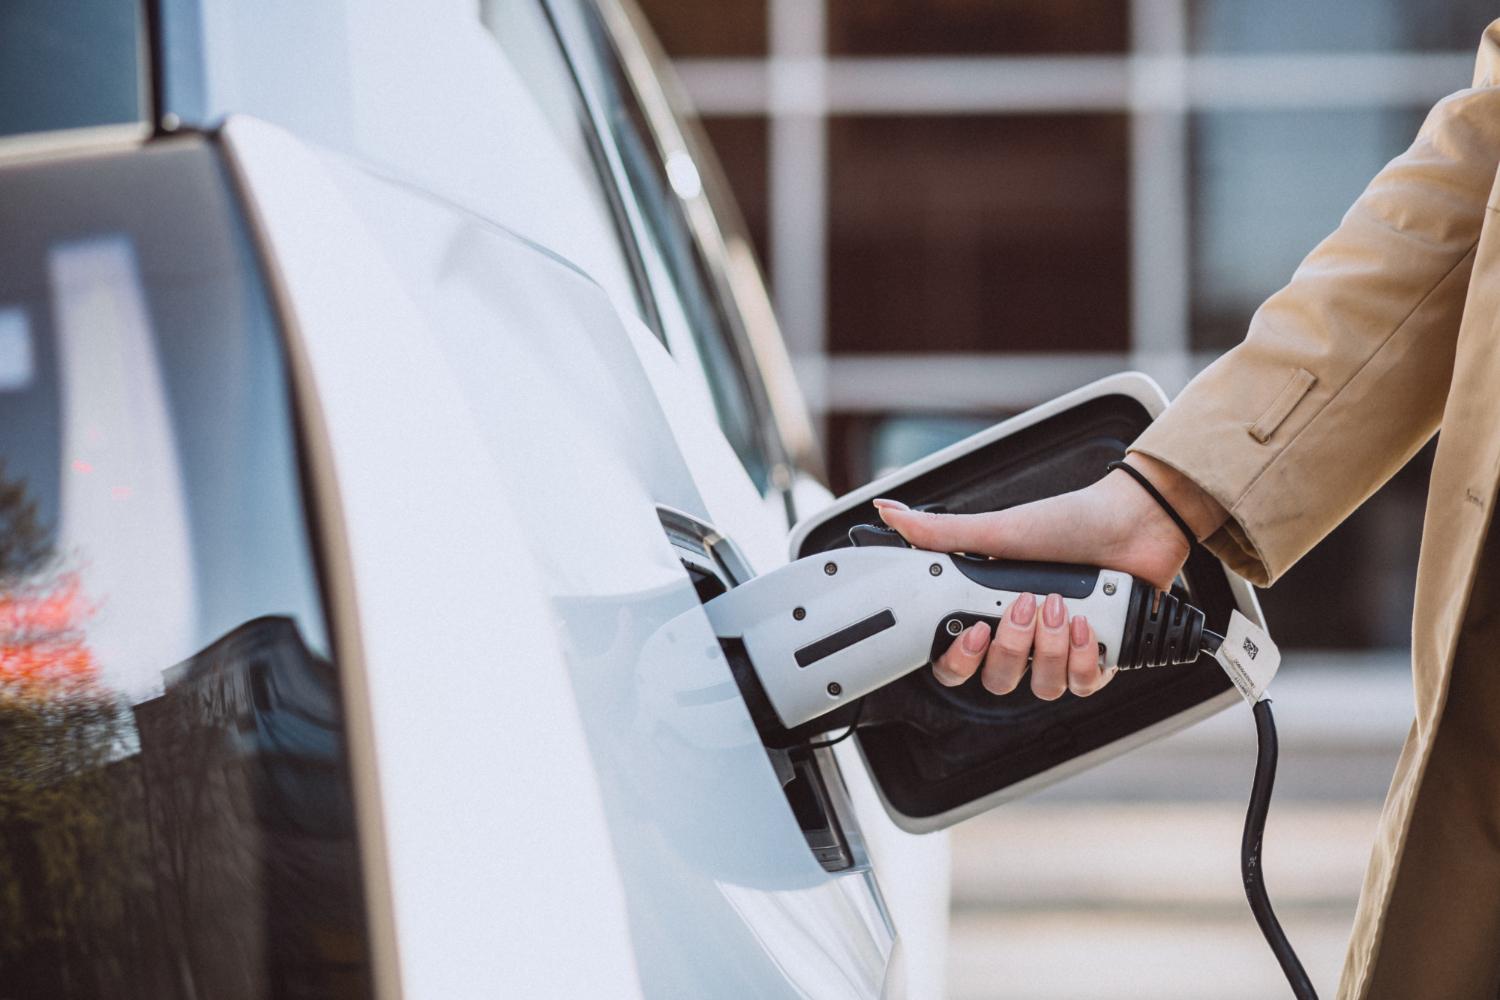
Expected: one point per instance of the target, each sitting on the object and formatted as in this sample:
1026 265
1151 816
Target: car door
514 484
937 754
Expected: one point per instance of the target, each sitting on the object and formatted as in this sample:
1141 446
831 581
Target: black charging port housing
938 753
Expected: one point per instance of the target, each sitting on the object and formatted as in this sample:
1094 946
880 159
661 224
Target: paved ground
1124 882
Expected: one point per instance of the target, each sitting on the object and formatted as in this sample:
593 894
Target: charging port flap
939 754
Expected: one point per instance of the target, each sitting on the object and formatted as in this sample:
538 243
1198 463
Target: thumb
942 532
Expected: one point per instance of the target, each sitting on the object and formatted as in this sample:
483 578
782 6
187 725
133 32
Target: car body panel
438 735
420 92
496 387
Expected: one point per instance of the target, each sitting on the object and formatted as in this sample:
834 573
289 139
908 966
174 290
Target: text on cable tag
1249 657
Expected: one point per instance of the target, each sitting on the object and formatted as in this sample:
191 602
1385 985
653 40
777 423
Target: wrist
1204 515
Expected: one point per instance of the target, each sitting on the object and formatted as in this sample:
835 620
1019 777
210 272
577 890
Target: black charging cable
859 711
1252 871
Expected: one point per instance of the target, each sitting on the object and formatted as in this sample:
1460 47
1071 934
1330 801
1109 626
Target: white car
376 380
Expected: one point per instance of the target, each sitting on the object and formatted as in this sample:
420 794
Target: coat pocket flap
1281 407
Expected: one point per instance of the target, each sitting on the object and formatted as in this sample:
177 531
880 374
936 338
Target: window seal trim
785 430
667 138
90 140
611 174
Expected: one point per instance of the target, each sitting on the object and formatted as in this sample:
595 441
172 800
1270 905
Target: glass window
722 28
1371 26
978 233
687 290
743 148
175 809
1378 545
1268 186
66 65
523 31
949 27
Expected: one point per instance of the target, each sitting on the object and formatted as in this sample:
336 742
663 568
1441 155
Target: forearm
1344 372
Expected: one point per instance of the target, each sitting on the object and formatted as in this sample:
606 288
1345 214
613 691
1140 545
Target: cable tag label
1249 657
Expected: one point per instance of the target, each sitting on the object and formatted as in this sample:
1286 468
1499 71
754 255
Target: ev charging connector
824 631
827 630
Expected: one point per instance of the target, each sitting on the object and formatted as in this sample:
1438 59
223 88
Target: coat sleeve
1344 372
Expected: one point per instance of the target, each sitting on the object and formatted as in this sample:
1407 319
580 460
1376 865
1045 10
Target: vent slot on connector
810 777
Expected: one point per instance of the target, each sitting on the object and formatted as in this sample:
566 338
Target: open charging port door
938 755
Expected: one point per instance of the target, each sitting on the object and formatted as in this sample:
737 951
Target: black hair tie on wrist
1161 501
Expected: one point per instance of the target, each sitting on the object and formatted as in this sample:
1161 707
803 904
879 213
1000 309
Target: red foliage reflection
43 652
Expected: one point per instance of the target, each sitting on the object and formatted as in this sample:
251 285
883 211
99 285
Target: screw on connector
1109 587
799 613
830 568
954 626
835 688
935 569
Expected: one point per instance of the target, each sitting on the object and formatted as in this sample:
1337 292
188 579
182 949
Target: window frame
623 212
644 71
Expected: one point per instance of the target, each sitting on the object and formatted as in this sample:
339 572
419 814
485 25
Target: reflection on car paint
668 733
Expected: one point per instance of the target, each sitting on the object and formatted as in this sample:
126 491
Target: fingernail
1080 631
976 637
1023 610
883 504
1053 614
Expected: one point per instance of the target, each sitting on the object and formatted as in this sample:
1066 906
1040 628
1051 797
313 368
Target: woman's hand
1113 523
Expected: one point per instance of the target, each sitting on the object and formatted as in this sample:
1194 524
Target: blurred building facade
966 207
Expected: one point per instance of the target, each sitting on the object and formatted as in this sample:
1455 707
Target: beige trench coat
1388 331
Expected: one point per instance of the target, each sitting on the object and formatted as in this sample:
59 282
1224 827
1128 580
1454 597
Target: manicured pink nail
884 504
1023 610
1080 631
976 637
1053 613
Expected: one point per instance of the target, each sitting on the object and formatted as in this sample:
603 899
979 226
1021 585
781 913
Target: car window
526 36
68 65
657 187
175 809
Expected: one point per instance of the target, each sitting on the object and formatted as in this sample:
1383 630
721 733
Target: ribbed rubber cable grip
1160 630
